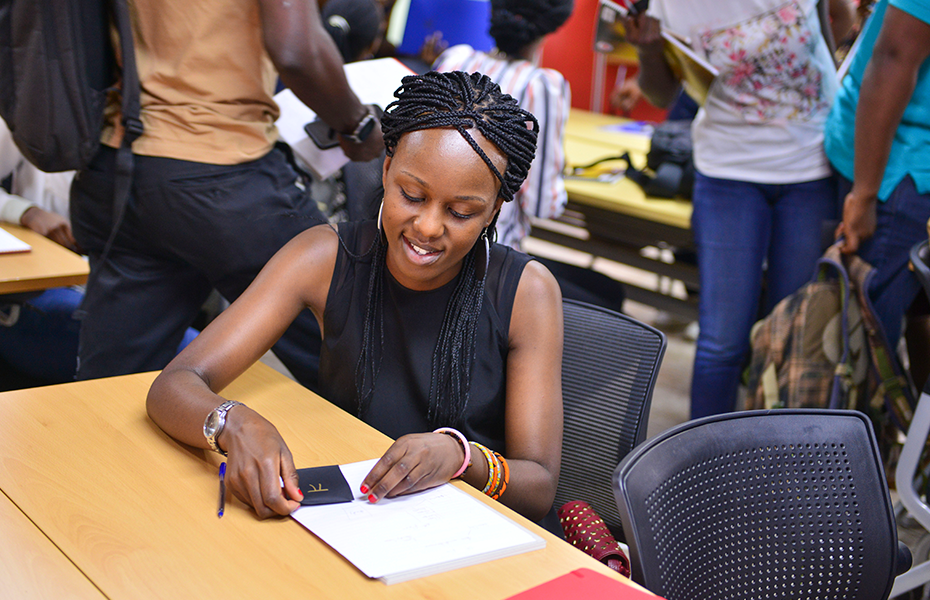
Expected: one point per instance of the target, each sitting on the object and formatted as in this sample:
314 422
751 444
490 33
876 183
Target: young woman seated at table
426 325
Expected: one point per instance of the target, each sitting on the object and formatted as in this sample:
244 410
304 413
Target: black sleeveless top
412 321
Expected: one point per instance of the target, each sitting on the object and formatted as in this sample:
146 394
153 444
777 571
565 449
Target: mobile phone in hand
324 136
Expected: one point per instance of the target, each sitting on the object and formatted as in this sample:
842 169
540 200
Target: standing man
214 195
878 139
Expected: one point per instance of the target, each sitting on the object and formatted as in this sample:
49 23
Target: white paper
373 81
411 536
10 243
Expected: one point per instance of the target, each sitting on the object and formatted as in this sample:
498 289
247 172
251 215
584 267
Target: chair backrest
609 367
919 259
760 504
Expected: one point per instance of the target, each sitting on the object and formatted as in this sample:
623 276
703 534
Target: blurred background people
878 139
214 194
38 331
519 29
356 26
763 186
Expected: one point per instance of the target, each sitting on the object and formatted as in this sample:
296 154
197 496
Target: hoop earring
380 208
487 249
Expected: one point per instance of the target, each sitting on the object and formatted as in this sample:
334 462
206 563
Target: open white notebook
9 243
403 538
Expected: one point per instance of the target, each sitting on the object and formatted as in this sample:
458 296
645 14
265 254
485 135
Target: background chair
761 504
609 367
910 459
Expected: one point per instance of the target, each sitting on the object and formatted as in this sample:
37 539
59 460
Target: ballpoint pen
222 502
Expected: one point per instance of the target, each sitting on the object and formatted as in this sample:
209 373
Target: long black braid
460 101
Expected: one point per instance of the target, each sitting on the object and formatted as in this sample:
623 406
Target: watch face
213 422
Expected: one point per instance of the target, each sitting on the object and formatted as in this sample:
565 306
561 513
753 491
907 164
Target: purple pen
222 503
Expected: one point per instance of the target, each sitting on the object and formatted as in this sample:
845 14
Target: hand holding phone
324 136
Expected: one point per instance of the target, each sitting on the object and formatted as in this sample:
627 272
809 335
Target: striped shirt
546 94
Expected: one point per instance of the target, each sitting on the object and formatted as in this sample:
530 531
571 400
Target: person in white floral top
763 187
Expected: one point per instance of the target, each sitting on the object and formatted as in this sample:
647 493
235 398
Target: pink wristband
465 446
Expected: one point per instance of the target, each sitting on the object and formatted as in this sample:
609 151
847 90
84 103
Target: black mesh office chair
761 504
609 367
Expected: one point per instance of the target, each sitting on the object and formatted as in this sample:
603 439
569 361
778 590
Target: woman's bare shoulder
538 303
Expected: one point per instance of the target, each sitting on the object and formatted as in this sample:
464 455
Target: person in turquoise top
878 140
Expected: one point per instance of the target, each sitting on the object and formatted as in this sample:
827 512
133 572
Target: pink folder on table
584 583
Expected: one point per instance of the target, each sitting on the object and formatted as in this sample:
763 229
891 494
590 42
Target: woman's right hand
257 463
643 31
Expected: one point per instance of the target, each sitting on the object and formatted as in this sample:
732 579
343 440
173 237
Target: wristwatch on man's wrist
215 423
364 127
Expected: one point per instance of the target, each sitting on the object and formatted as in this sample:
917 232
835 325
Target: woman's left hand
413 463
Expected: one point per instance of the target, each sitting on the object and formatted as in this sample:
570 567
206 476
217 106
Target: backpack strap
843 375
132 128
899 400
132 123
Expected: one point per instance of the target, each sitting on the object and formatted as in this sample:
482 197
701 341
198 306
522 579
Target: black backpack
669 160
57 65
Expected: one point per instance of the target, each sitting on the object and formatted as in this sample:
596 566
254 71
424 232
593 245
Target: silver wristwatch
215 422
364 127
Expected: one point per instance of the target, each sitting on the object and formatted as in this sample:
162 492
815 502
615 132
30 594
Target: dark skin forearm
887 86
842 18
310 65
658 83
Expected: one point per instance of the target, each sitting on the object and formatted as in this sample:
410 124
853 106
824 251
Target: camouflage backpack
823 347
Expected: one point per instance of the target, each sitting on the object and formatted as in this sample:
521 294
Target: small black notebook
323 485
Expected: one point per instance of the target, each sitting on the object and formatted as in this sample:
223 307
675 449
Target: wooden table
617 220
30 564
135 512
47 265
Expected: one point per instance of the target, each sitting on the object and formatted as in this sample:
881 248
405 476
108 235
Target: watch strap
220 411
364 127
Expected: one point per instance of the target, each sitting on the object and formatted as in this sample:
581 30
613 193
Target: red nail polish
372 499
364 489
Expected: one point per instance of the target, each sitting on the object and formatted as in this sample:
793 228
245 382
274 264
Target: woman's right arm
656 79
187 390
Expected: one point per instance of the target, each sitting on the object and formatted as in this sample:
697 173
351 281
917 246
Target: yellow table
617 220
596 127
135 511
47 265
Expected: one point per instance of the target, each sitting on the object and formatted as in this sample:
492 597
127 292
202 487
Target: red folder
587 584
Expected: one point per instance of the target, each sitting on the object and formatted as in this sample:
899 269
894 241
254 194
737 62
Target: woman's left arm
533 418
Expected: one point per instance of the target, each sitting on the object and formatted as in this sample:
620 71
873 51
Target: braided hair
515 24
462 102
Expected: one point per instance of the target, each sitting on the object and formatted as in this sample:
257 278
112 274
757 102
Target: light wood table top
30 564
47 265
135 511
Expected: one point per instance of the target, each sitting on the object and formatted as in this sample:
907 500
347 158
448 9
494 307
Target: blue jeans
901 223
743 230
43 342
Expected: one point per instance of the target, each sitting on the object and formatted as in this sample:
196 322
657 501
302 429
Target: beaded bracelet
461 438
498 477
495 471
505 479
